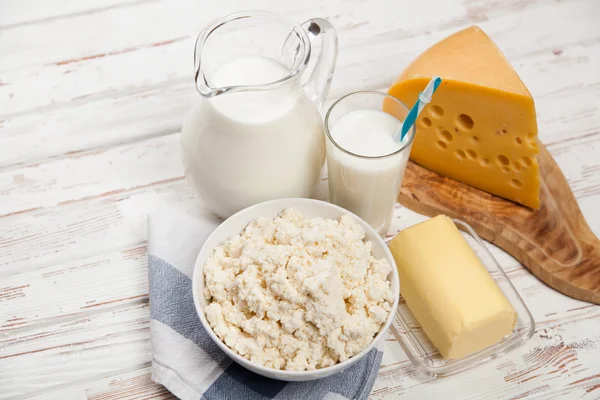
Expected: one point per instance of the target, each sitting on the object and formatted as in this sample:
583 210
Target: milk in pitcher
243 148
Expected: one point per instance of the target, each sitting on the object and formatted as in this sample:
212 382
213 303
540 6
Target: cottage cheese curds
297 294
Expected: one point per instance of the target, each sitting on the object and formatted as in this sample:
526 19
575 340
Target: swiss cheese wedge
480 127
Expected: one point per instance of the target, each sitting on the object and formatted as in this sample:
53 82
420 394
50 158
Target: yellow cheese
480 127
451 294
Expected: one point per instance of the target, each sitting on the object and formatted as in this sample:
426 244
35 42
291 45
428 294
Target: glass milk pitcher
255 133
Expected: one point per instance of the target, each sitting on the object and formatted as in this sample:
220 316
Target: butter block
449 291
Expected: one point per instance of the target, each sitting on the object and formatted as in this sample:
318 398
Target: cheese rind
480 127
450 293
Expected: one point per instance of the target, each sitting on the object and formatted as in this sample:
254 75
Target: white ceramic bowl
310 209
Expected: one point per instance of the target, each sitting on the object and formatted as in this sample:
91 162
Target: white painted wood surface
92 95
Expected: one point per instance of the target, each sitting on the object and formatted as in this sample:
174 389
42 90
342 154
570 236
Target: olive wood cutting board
555 242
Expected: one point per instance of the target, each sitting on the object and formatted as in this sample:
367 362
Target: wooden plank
110 121
48 117
76 288
60 239
20 12
39 331
78 231
557 359
118 32
46 252
135 385
91 174
131 387
49 237
134 167
63 353
107 280
76 127
98 274
26 237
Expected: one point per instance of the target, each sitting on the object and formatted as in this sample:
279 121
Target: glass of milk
365 164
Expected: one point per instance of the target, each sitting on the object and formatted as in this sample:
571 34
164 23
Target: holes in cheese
465 122
442 145
517 166
472 154
437 111
447 136
503 160
516 183
461 154
487 109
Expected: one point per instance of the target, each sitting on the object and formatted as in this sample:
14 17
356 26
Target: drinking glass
367 185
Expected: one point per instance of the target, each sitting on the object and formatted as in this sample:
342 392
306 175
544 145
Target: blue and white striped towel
184 358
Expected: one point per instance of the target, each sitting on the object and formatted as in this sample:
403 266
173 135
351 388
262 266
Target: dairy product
367 183
243 148
449 291
297 294
480 127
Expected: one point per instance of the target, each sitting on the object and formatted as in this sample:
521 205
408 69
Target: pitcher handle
319 78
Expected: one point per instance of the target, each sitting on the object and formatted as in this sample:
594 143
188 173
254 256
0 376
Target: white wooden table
92 95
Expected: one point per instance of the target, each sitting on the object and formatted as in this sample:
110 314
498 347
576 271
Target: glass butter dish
423 353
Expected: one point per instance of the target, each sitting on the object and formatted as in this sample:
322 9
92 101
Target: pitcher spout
251 37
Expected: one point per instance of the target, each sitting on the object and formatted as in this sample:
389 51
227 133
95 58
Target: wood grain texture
92 293
134 385
49 111
57 355
554 242
92 95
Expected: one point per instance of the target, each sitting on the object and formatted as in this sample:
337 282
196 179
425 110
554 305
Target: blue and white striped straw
422 101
